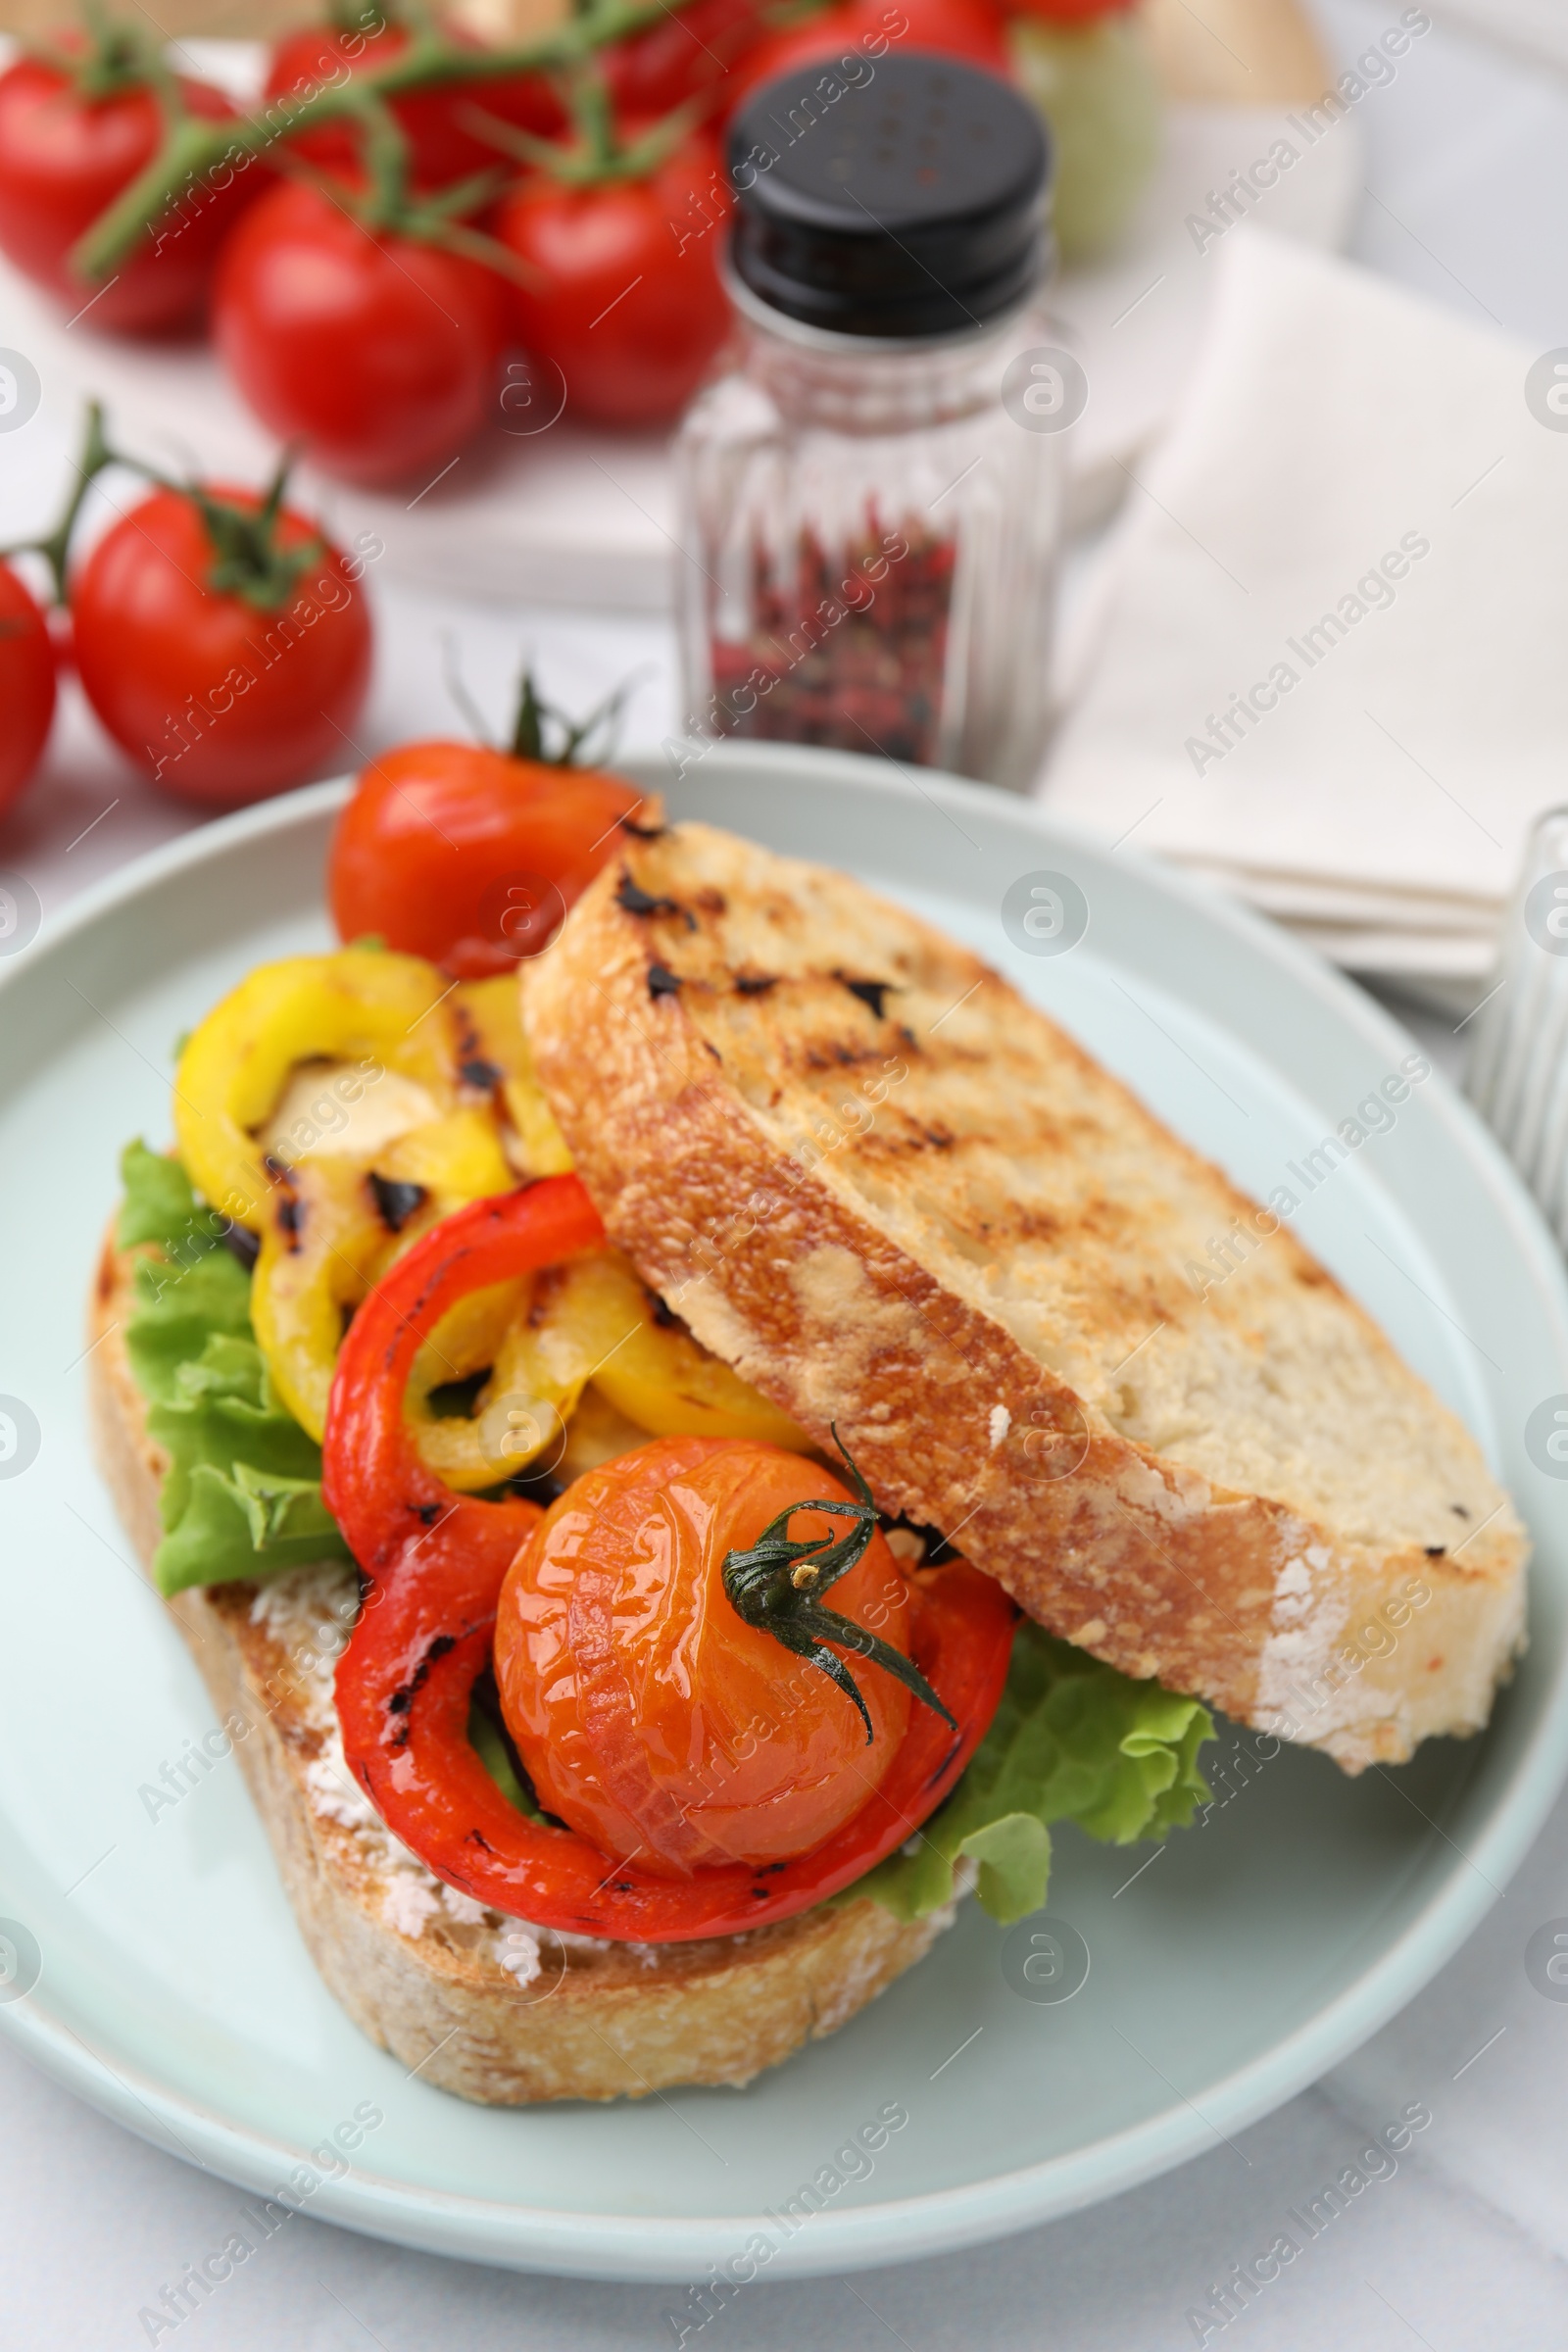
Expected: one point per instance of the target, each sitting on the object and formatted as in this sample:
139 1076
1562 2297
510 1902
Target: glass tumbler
1518 1069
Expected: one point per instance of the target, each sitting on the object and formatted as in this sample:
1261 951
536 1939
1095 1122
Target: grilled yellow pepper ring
649 1366
590 1321
359 1005
338 1105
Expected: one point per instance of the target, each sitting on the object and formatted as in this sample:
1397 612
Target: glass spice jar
871 496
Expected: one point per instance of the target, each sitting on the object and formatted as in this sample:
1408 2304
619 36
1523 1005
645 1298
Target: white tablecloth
1466 2246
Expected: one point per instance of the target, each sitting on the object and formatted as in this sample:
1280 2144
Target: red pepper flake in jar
869 517
851 652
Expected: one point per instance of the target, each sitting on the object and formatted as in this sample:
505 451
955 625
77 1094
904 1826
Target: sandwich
682 1460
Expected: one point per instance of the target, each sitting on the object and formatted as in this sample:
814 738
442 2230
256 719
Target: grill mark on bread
871 992
637 900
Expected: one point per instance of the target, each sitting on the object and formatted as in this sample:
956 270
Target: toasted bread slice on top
896 1197
474 2002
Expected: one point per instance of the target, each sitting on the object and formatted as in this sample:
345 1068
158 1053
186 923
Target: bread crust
685 1028
598 2021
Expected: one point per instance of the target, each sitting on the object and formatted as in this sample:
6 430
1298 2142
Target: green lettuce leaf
1072 1740
159 1206
242 1496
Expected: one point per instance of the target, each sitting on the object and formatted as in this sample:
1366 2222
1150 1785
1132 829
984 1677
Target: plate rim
661 2249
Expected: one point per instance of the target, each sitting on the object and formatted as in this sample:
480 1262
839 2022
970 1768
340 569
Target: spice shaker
870 495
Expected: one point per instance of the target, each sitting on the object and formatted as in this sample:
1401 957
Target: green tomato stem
194 152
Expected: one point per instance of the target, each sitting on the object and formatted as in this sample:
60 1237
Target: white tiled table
1467 2246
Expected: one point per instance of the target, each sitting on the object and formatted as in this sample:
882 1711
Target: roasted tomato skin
468 857
650 1717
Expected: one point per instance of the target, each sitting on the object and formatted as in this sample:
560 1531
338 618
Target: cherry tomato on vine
374 351
27 685
651 1718
625 297
683 56
469 856
440 149
225 648
973 29
64 159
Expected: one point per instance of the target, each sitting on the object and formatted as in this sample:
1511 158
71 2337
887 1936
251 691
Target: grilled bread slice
471 2001
899 1199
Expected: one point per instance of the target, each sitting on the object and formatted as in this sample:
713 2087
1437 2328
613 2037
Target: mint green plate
172 1988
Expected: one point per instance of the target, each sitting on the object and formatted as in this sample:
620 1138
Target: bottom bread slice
475 2003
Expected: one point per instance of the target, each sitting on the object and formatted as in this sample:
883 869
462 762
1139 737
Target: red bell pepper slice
435 1562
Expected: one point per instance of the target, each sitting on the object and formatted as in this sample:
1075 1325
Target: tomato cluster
365 276
364 301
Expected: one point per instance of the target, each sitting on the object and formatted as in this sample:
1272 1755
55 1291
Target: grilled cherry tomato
650 1717
435 1563
440 149
27 685
468 857
623 292
377 353
972 29
228 652
64 159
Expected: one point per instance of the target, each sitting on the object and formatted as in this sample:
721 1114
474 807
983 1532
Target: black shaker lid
905 197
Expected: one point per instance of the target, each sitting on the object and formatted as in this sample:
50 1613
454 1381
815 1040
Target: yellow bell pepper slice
359 1005
586 1345
317 1034
317 1259
469 1339
539 1354
491 1015
649 1368
456 1159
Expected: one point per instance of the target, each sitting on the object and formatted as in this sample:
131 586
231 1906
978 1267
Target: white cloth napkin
1357 523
